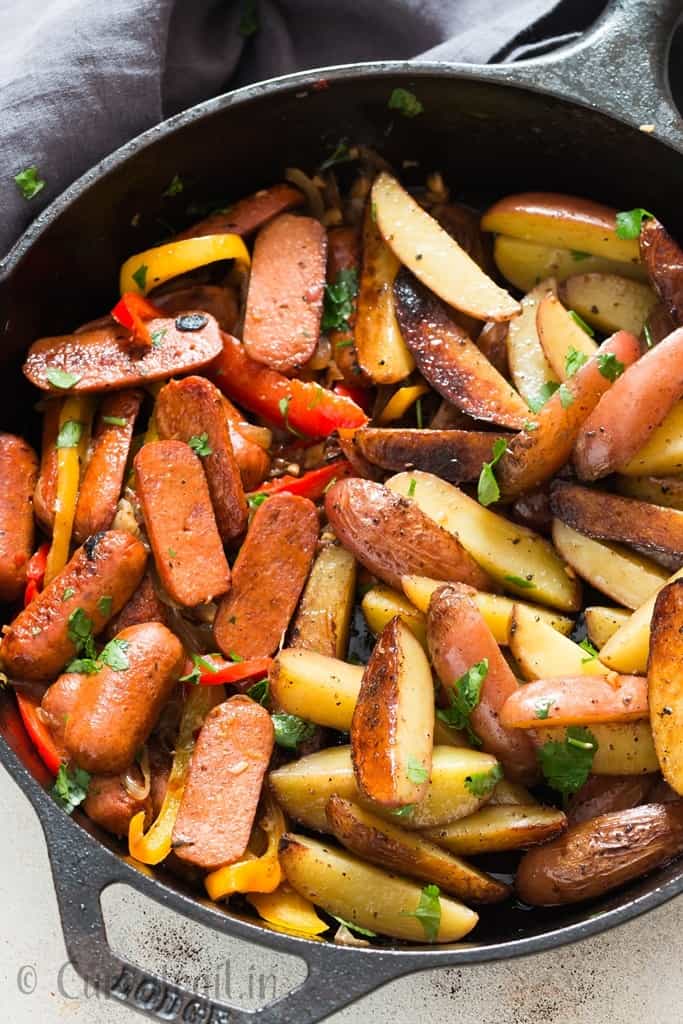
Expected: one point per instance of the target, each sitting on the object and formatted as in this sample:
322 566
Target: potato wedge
458 639
663 258
602 623
662 453
315 687
602 794
492 341
450 361
529 368
303 787
624 748
496 609
665 682
660 490
324 616
626 416
436 259
597 856
363 894
364 514
382 353
516 557
576 700
392 729
621 574
606 516
559 334
392 847
568 222
511 793
609 302
505 827
541 652
627 649
382 604
536 455
455 455
524 263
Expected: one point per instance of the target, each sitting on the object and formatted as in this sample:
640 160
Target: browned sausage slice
268 577
101 359
224 784
118 708
193 408
144 606
248 214
180 522
252 459
95 584
18 475
221 302
102 481
45 494
286 290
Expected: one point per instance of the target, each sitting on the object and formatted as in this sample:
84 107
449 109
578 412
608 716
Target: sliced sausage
144 606
219 804
181 526
18 476
111 806
268 577
193 407
39 642
117 710
286 291
101 360
221 302
102 481
252 459
45 494
248 214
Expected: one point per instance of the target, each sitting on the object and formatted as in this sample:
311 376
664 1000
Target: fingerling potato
662 453
609 302
315 687
624 748
542 653
529 368
602 794
324 616
602 623
494 829
559 334
456 455
665 682
663 258
576 700
381 604
524 263
627 649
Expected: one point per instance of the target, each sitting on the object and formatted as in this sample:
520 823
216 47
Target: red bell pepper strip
303 407
311 485
35 573
41 736
14 733
234 671
361 396
131 311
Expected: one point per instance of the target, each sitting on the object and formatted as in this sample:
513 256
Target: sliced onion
320 359
134 788
297 177
262 436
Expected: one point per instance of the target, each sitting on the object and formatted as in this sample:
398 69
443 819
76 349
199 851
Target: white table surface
631 974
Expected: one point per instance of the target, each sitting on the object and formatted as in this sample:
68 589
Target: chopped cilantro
70 788
114 655
530 425
158 336
405 102
290 730
574 360
546 392
104 605
591 651
283 406
609 366
578 255
580 322
353 927
175 187
647 334
339 301
567 763
411 487
488 490
199 665
566 396
29 183
418 414
259 691
69 592
403 812
115 421
340 155
483 783
464 696
79 628
416 772
140 276
629 222
542 707
428 911
199 443
69 434
61 379
254 500
520 581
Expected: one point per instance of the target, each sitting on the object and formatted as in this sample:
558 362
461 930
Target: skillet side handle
619 66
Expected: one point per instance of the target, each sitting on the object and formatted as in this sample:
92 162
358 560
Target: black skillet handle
620 65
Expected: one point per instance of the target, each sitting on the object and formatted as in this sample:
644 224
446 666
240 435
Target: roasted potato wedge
665 682
621 574
597 856
382 604
324 616
627 649
381 351
663 258
624 748
315 687
662 453
436 259
503 827
576 700
559 334
602 623
410 853
660 490
529 368
511 793
455 455
542 653
363 894
609 302
492 342
303 787
533 456
568 222
392 729
363 514
602 794
516 557
625 417
524 263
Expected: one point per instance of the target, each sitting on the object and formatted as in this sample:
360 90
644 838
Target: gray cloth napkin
80 77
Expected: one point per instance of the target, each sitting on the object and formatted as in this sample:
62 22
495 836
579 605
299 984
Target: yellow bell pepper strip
253 874
287 910
401 401
148 269
77 409
155 845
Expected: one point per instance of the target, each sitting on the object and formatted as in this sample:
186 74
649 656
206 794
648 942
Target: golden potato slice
665 682
524 263
609 302
602 623
315 687
381 351
436 259
627 649
529 368
516 557
303 787
559 334
624 748
382 604
541 652
364 895
505 827
410 853
324 616
392 729
662 453
621 574
660 490
513 793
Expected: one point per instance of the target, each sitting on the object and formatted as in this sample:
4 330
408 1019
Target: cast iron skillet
567 121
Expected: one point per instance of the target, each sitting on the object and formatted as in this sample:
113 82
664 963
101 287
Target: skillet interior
487 141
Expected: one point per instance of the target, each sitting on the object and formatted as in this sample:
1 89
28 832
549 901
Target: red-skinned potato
392 729
576 700
364 514
458 638
455 455
629 412
559 334
665 682
602 794
536 455
599 855
663 258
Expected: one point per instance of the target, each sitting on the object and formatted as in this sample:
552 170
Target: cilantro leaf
255 500
647 334
61 379
519 581
340 155
416 772
488 490
158 336
566 396
200 665
574 360
115 421
84 666
79 628
403 812
69 592
140 276
609 366
29 183
199 443
70 788
104 605
546 392
260 691
339 301
591 651
580 322
428 911
114 655
69 434
483 783
175 187
411 487
290 730
405 102
353 927
578 255
629 222
567 763
542 707
464 696
283 406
